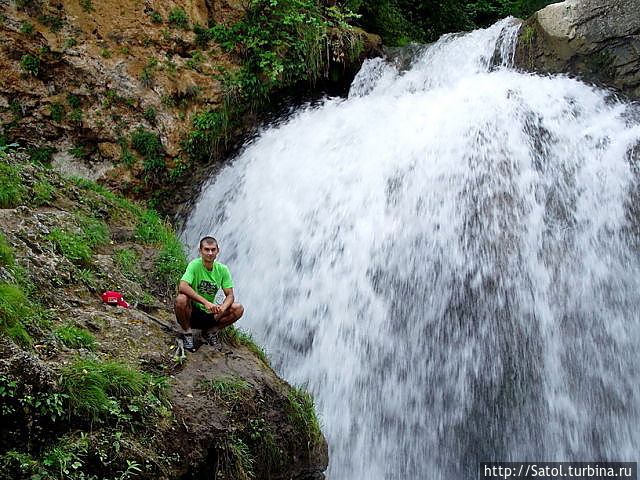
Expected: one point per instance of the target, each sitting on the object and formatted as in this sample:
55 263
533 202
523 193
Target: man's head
208 249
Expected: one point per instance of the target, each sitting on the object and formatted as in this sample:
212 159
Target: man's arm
185 288
228 299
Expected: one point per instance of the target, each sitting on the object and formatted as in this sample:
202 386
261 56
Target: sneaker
188 342
213 340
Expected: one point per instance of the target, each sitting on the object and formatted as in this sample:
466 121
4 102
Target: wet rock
594 40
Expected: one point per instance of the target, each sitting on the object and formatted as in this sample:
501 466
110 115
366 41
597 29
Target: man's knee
237 309
181 302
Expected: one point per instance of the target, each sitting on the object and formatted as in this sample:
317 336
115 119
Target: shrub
74 337
150 115
148 145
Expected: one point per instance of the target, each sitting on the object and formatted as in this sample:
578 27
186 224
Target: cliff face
109 90
594 40
93 391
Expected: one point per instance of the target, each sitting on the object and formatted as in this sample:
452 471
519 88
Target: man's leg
182 307
183 310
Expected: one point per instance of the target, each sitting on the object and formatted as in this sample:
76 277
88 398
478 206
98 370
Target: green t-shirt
205 282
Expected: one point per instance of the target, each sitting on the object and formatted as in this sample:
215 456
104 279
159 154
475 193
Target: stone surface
591 39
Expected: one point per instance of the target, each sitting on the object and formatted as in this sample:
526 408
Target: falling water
449 258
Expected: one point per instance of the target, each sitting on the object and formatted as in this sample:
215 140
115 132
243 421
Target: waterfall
448 259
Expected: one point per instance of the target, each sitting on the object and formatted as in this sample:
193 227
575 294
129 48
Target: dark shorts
201 319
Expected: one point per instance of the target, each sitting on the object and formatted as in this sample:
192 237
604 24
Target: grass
12 190
237 337
73 337
14 308
302 415
127 260
78 246
101 390
237 461
226 389
6 253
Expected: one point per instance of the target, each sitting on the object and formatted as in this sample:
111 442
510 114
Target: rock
596 41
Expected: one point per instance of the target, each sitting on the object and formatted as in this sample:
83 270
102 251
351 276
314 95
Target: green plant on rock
41 156
236 460
101 391
226 389
74 337
14 308
149 146
43 193
302 415
58 112
127 261
78 246
12 189
6 253
26 28
239 337
178 18
30 64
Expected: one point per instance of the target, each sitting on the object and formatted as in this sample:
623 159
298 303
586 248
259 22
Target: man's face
209 251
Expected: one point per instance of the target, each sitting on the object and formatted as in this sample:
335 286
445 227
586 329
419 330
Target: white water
449 258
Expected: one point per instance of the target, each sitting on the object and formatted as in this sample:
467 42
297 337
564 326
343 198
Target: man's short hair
207 239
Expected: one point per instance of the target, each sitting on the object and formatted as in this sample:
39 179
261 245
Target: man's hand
211 307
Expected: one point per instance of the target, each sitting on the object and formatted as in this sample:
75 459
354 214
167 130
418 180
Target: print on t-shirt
209 288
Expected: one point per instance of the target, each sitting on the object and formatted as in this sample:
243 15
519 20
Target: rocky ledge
93 391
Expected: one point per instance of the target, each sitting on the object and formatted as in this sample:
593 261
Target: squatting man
195 305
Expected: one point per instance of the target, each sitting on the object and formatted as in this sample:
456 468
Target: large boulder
598 41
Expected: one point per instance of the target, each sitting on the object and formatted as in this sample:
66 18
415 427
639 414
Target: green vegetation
14 308
149 146
302 415
6 253
228 390
77 245
74 337
12 190
58 112
239 337
282 44
42 156
30 64
26 28
150 115
403 21
127 260
178 18
43 193
99 391
236 460
54 23
156 17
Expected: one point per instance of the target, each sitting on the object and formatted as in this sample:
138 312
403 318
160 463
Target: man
195 305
